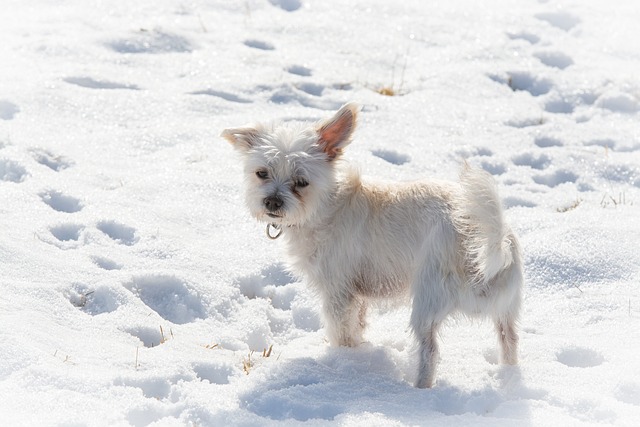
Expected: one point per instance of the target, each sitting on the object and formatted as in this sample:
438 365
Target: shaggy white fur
445 245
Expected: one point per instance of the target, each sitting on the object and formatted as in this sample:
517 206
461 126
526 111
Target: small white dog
446 245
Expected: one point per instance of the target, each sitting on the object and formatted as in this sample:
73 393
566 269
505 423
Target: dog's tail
488 240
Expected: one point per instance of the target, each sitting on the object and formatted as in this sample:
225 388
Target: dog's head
290 169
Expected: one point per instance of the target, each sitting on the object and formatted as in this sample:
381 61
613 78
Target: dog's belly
380 288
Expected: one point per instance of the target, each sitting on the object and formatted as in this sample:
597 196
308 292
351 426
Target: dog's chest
331 259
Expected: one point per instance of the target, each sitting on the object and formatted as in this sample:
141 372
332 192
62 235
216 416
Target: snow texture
136 289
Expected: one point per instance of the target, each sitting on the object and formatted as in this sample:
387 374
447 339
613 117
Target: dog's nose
273 203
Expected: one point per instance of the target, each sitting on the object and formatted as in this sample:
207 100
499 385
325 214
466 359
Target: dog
444 245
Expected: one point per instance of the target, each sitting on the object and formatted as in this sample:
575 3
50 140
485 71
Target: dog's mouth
273 215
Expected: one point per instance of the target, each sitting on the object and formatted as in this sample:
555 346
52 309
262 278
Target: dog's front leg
344 320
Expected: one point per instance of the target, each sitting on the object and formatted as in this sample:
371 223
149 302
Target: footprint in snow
608 144
562 20
618 102
513 202
50 160
556 178
106 263
491 356
157 388
624 173
224 95
628 392
66 232
285 294
524 81
312 89
272 283
61 202
290 94
94 301
522 123
91 83
580 357
526 36
299 70
493 167
8 110
347 86
287 5
214 373
548 141
554 59
120 233
558 105
259 44
64 236
391 156
299 391
153 42
539 162
144 415
150 337
471 151
11 171
170 297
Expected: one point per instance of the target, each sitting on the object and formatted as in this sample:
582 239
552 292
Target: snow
136 289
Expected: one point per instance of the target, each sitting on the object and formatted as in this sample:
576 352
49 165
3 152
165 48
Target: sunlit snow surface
136 290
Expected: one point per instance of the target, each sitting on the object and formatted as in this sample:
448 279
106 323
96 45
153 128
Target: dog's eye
301 183
262 174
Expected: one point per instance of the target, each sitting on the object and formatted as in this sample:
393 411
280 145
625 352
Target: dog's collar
276 227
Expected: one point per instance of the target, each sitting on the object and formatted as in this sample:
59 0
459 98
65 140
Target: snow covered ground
136 290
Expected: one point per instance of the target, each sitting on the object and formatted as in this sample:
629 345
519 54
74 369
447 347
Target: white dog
446 245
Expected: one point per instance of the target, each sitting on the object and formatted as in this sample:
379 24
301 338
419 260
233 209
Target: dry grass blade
570 207
162 338
267 352
386 91
247 363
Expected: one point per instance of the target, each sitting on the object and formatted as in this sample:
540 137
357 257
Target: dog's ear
335 134
242 139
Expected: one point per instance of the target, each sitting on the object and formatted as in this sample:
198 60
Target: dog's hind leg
506 313
428 356
430 307
507 338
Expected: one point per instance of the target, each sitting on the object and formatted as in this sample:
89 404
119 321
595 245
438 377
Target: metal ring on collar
275 227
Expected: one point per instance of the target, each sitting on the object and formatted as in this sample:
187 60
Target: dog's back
381 237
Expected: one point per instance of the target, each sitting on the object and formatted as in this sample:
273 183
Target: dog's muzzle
273 204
